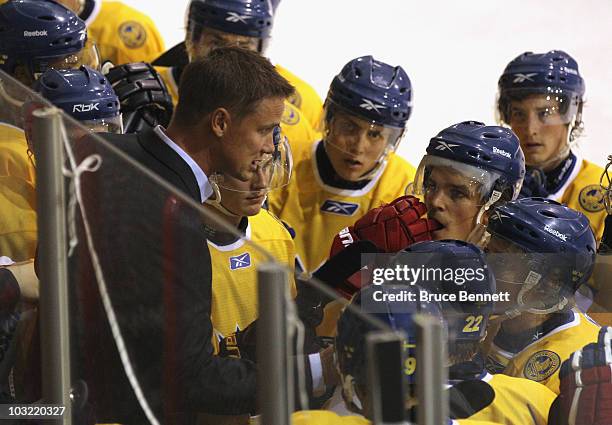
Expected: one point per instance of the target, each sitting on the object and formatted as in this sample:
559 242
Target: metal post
431 371
54 335
385 366
275 377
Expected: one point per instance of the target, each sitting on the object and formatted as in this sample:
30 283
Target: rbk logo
521 78
339 207
81 107
235 17
241 261
443 146
369 105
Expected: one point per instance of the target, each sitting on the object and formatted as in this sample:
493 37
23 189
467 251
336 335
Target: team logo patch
339 207
591 198
132 34
295 99
542 365
241 261
291 116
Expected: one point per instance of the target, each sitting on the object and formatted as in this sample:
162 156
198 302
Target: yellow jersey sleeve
234 273
541 361
306 99
166 74
18 227
517 401
124 35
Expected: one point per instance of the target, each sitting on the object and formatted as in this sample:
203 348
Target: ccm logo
85 108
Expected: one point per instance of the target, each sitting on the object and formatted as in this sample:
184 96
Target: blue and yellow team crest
133 34
339 207
542 365
291 115
241 261
591 198
295 99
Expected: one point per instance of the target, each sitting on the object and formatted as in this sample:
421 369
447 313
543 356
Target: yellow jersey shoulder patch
133 34
542 365
591 198
291 115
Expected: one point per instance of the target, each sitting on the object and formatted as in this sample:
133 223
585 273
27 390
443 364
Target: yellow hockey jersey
305 98
297 129
540 361
516 402
582 192
18 228
14 159
122 33
234 273
317 212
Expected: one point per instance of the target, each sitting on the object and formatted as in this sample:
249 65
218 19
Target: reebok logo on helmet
35 33
556 233
501 152
80 107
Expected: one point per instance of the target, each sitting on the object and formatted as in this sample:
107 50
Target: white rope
91 164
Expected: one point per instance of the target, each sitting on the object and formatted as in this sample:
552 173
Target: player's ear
220 120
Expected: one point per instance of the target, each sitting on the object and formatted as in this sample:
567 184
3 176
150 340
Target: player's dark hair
228 77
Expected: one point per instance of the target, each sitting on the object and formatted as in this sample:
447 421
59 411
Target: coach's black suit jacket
156 264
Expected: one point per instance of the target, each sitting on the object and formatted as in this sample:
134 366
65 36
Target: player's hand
144 98
241 344
534 183
391 227
586 385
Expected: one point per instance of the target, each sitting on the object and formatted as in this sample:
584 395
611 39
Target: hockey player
235 260
216 23
354 168
516 401
549 251
468 168
122 33
541 99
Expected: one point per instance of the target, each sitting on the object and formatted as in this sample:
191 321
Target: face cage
605 182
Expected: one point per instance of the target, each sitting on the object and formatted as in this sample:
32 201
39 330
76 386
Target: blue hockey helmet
248 18
41 34
553 74
455 268
85 94
396 316
490 157
551 251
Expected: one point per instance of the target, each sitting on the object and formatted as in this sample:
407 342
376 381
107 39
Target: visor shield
204 40
351 134
88 56
536 282
453 179
606 185
518 107
273 172
105 125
